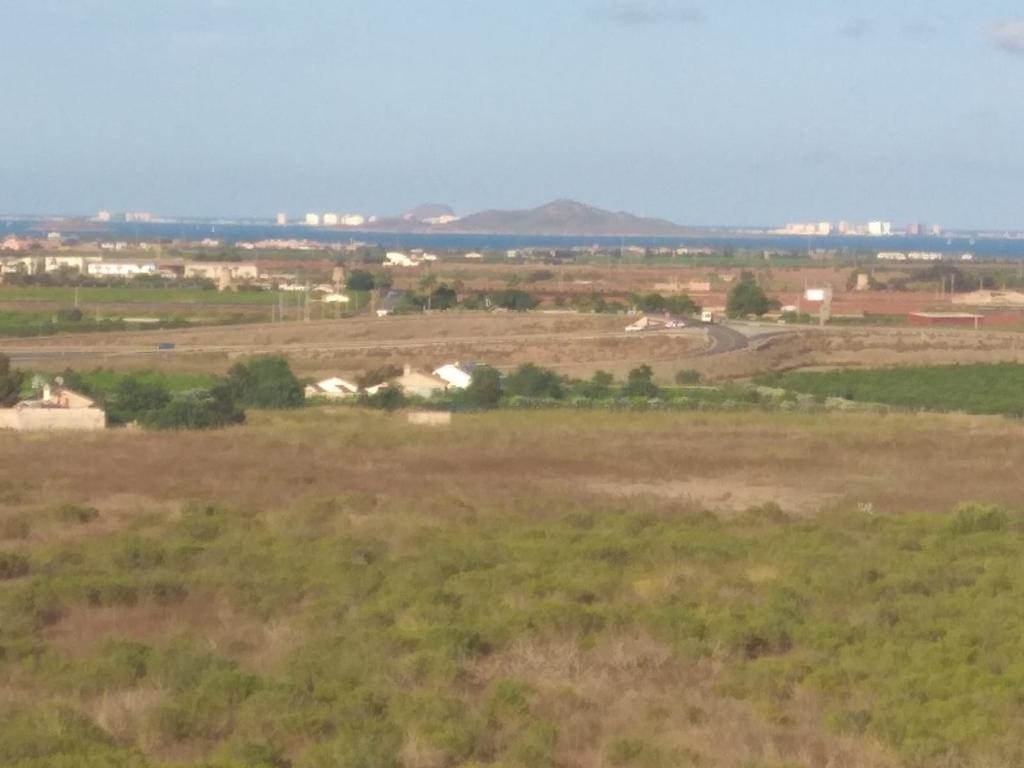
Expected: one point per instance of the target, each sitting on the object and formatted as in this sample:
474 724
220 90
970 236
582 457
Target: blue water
989 248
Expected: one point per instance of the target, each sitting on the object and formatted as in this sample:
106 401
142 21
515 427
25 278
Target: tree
196 409
265 382
640 383
444 297
598 388
687 377
529 380
11 381
360 280
514 299
484 390
133 399
747 298
386 399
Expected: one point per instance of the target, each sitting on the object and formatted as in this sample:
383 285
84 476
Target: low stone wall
53 419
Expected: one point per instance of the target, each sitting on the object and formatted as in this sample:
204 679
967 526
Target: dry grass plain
620 697
705 458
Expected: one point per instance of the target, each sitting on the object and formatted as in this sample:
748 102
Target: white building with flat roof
313 219
120 268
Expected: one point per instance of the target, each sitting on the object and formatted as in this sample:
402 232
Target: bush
133 399
599 387
484 390
13 565
75 514
514 299
197 409
529 380
385 399
687 377
360 280
640 383
265 382
977 518
11 381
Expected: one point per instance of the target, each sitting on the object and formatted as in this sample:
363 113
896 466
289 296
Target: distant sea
981 247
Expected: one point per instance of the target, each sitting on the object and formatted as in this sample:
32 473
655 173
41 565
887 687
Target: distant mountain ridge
562 217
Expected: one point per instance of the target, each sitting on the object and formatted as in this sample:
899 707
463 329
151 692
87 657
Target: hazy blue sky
710 111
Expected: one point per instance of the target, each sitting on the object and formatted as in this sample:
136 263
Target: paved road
28 354
725 339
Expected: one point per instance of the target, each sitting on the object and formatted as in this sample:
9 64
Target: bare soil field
863 348
573 344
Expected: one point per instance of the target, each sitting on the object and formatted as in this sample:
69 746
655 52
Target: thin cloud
638 13
1008 36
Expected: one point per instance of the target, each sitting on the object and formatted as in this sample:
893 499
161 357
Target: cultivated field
338 588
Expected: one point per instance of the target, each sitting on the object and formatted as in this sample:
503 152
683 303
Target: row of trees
488 388
263 382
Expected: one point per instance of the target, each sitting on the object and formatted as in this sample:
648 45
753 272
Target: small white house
398 259
420 384
120 268
457 375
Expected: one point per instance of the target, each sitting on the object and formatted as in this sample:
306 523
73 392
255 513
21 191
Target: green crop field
983 388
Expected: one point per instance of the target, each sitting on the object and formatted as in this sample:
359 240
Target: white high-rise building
879 228
313 219
330 219
282 219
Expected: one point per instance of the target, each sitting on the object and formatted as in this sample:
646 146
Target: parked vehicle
165 345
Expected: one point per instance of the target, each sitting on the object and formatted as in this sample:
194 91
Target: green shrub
978 518
687 377
265 382
196 409
76 514
13 565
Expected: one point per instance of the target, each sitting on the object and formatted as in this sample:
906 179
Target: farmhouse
57 409
457 375
420 384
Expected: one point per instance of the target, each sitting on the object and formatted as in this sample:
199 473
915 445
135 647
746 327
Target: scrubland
334 587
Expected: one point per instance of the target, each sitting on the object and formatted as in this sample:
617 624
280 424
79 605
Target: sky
729 112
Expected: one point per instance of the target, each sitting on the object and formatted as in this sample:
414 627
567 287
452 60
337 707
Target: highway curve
725 339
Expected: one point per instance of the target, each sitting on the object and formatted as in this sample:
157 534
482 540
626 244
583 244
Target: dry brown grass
633 687
896 462
256 645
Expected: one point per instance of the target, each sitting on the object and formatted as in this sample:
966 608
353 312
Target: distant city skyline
733 112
